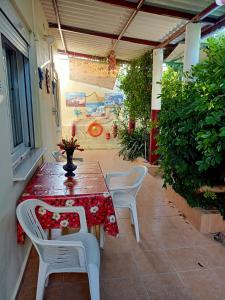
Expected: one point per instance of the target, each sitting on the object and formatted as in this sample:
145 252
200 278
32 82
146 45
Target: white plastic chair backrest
141 171
51 251
57 156
135 186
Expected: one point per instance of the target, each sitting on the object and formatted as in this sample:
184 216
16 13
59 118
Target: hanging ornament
47 80
107 135
95 129
114 130
40 76
112 62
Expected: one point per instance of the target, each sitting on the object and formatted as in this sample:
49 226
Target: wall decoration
95 109
75 99
112 99
114 130
54 84
92 72
40 76
112 61
107 135
95 129
77 112
47 80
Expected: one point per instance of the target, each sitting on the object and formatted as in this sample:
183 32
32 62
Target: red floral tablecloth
87 189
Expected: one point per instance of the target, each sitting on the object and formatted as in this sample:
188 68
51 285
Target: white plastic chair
78 252
125 196
57 156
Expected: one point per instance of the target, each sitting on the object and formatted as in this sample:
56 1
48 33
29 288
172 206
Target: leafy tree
136 83
137 86
192 127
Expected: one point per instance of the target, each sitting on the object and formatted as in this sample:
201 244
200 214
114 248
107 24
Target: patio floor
173 261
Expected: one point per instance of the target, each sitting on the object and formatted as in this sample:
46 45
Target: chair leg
102 236
46 281
93 278
131 217
41 281
135 218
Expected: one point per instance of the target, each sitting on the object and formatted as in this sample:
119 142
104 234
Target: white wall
12 255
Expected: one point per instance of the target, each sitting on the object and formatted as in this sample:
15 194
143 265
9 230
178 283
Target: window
19 99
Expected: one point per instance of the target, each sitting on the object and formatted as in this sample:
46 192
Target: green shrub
134 144
136 83
192 127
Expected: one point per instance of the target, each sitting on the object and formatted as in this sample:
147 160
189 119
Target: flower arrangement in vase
68 146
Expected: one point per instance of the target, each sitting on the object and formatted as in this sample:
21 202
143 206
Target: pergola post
156 101
192 45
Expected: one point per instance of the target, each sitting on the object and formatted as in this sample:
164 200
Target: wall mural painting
77 112
95 109
76 99
112 99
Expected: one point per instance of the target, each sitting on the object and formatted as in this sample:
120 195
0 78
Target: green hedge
192 127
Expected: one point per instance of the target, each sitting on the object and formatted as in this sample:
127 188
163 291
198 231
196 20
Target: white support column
156 101
192 45
156 77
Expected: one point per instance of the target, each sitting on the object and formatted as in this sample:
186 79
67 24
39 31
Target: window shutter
8 30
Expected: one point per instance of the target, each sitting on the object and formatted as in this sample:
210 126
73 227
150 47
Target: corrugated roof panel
127 51
191 6
81 43
102 17
89 14
152 27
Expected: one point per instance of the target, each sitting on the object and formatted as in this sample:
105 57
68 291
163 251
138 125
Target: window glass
19 98
13 92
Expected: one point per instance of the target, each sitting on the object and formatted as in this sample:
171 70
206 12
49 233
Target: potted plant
68 146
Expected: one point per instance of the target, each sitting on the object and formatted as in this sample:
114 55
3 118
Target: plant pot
69 167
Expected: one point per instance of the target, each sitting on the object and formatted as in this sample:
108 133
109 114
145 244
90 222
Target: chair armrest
60 243
71 209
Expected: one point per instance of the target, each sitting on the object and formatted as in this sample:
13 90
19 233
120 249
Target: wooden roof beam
209 29
105 35
88 56
129 21
56 9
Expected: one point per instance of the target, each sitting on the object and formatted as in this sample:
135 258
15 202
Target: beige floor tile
125 288
166 287
124 243
75 291
117 265
184 259
216 254
149 262
204 284
173 238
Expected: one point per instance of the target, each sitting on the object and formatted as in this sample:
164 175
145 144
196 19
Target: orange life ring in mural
95 129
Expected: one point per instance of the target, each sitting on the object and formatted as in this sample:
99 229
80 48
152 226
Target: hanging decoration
112 62
114 130
107 135
41 77
54 84
47 80
95 129
77 112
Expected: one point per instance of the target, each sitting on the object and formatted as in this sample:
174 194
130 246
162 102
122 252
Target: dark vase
69 167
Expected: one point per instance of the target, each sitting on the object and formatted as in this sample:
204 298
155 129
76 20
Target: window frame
20 151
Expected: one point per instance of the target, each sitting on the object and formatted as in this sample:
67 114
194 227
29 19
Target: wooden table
87 189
